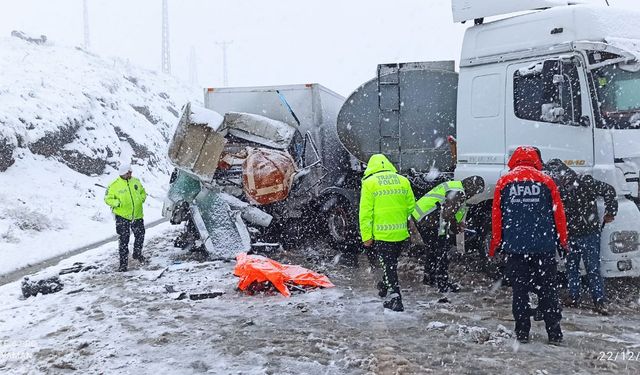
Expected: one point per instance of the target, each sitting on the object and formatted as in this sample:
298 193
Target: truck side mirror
552 80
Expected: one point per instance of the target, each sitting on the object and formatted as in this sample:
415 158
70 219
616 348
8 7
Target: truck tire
341 224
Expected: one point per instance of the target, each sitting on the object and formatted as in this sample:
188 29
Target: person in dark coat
439 216
528 225
579 195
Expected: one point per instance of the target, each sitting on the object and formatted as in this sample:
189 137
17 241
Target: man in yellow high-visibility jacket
439 214
386 203
125 196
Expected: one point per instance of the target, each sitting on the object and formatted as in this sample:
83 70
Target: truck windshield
619 97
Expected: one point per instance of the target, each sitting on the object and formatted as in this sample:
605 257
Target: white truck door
548 107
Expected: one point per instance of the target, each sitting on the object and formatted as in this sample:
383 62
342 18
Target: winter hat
560 172
124 168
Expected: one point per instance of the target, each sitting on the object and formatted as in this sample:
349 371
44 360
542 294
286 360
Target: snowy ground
129 324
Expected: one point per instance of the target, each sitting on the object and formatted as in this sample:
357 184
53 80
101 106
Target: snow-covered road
128 323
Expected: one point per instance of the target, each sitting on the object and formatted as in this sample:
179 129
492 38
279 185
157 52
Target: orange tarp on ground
256 268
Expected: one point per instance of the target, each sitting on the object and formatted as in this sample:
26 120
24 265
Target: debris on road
199 296
255 272
75 291
44 286
177 295
77 267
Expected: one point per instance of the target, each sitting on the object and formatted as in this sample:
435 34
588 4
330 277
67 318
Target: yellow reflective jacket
125 197
434 199
436 196
386 202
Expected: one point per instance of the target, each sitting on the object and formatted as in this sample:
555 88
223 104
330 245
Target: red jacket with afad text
527 214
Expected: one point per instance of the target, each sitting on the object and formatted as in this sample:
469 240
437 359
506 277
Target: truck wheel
341 224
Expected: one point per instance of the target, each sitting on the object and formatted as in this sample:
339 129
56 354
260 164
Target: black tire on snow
341 224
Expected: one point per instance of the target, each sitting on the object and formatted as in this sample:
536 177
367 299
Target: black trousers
535 272
436 254
388 253
124 228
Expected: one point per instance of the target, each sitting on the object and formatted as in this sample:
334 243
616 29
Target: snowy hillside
67 118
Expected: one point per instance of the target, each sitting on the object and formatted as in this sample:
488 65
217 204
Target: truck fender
329 195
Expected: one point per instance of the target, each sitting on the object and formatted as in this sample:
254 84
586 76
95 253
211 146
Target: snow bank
68 118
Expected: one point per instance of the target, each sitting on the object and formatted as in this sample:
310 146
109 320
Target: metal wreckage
248 162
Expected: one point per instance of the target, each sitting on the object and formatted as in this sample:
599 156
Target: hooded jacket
579 195
386 202
125 197
527 215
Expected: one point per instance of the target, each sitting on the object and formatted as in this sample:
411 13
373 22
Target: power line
166 56
85 15
225 72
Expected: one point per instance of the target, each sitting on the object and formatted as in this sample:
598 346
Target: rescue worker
528 225
579 195
125 196
439 215
386 202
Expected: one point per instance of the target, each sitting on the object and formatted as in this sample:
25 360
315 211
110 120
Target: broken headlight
624 241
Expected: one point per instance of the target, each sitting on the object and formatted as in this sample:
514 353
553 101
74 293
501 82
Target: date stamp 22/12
622 355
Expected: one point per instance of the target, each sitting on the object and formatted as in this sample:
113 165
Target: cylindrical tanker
406 112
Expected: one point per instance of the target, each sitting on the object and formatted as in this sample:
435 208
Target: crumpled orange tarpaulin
256 268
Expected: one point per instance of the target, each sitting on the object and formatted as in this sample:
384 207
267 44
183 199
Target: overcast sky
333 42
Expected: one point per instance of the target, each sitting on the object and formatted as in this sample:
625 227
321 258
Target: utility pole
225 72
85 15
166 56
193 67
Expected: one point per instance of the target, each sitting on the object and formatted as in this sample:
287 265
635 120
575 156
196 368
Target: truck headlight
624 241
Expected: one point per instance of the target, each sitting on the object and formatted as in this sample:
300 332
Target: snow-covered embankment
67 118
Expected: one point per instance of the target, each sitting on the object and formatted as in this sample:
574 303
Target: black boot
522 337
601 308
394 303
382 289
555 334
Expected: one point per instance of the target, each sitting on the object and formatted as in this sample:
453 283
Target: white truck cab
567 80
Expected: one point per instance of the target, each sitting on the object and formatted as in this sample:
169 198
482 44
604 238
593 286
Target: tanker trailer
408 113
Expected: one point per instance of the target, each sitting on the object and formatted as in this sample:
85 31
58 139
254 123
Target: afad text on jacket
527 215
